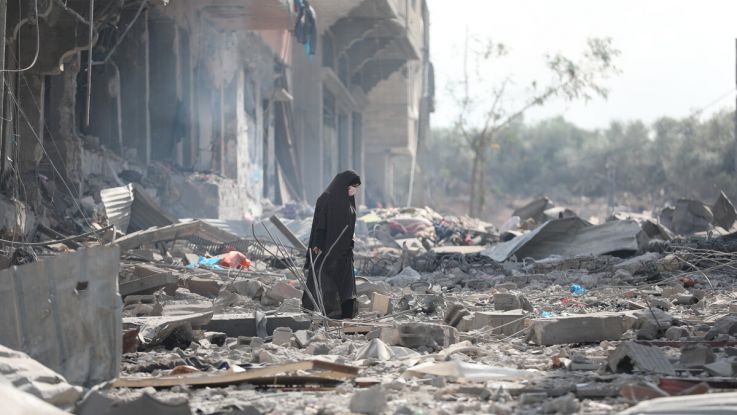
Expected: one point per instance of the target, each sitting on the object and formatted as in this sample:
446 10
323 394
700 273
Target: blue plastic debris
577 289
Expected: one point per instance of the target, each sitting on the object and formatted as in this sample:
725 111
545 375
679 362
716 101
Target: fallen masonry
440 329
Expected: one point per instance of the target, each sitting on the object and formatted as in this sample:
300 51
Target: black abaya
332 232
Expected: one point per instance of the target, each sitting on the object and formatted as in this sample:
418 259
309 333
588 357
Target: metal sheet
130 209
65 312
569 237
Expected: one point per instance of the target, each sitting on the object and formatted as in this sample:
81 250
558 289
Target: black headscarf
334 211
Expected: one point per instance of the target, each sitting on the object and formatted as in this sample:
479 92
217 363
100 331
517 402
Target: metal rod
89 63
123 35
3 15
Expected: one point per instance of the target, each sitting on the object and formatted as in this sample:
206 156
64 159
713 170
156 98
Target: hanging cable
38 44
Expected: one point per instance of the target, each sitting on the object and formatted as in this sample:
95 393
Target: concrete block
281 290
303 338
638 263
371 401
727 324
511 301
381 304
454 314
696 355
282 336
235 325
417 335
584 328
676 333
205 287
249 288
506 323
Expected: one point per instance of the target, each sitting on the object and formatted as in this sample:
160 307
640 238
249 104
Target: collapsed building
213 106
121 119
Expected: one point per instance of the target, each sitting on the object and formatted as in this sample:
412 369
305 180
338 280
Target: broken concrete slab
506 301
695 355
30 376
97 404
724 212
629 356
279 292
249 288
534 210
206 287
715 404
569 237
73 298
282 336
454 313
371 401
154 330
473 372
506 323
17 402
584 328
381 304
148 284
727 324
417 335
235 325
638 263
691 216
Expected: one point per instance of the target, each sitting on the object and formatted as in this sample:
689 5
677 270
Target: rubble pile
547 314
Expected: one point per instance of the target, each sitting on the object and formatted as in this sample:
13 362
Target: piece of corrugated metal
131 209
118 202
66 312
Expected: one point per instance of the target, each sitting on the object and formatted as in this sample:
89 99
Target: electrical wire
38 44
40 142
57 241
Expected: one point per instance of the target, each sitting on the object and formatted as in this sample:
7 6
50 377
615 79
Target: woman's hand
316 251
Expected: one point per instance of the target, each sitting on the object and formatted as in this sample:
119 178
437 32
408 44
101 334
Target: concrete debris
724 212
511 301
564 317
17 402
473 372
72 298
696 355
97 404
629 356
691 216
588 328
29 376
371 401
569 237
716 404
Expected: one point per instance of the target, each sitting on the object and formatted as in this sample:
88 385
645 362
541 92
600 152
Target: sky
677 56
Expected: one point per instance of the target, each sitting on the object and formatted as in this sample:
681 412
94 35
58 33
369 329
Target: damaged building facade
213 106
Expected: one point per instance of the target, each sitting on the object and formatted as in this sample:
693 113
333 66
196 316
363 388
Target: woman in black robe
330 251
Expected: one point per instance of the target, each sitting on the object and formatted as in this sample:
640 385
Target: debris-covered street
242 207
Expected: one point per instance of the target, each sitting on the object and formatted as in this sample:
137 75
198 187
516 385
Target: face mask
352 190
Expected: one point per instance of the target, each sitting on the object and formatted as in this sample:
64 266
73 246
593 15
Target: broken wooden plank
327 371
